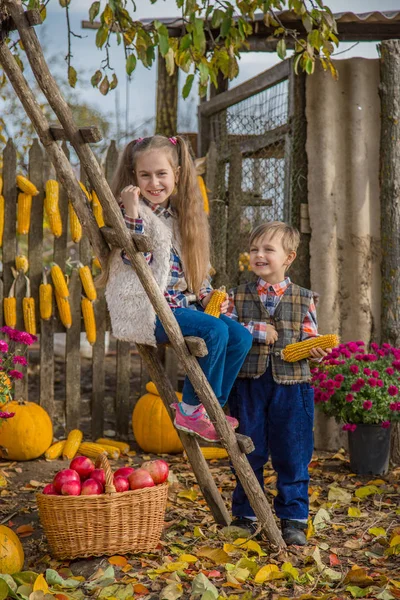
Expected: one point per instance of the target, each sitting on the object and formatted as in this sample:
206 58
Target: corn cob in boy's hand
301 350
213 308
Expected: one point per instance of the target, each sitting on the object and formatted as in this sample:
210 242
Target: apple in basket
71 488
99 475
140 479
65 476
50 490
124 472
83 466
121 483
158 470
91 487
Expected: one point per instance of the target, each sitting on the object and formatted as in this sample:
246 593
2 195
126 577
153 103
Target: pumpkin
152 427
11 552
28 434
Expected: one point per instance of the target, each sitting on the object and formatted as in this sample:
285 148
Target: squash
28 434
11 552
152 427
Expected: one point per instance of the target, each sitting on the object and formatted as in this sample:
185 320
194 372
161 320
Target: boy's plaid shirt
270 296
176 293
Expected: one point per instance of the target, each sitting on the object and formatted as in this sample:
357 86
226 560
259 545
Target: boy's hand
271 335
225 305
319 353
130 199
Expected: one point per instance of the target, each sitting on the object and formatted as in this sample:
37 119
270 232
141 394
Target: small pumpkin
152 426
28 434
11 551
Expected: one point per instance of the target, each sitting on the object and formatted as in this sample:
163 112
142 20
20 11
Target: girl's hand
318 353
130 199
224 305
271 335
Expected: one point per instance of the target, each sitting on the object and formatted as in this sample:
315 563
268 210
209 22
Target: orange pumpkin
28 434
11 552
152 426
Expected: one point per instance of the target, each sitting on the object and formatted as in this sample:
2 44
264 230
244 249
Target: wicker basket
112 523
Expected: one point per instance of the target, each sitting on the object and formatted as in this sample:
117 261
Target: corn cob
213 308
64 311
91 450
24 213
26 186
96 263
97 210
1 184
203 191
89 320
51 207
112 451
211 453
45 299
1 219
21 263
72 444
301 350
74 224
10 308
28 310
83 188
60 285
123 447
87 282
55 450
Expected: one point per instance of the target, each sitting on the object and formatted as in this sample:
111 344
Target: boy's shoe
199 423
248 525
294 532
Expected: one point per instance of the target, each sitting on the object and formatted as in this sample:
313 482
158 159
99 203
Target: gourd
11 552
152 427
28 434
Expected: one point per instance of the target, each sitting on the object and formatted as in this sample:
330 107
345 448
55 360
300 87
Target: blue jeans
278 418
227 342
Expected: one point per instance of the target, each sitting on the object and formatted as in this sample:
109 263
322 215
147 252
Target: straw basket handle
102 463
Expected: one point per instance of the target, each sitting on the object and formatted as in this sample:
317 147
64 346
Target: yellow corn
74 224
1 219
26 186
55 223
97 210
89 320
211 453
60 285
24 213
45 299
87 282
28 310
10 308
213 308
52 208
123 447
64 311
91 450
21 263
203 191
112 451
83 188
301 350
72 444
1 184
55 450
96 263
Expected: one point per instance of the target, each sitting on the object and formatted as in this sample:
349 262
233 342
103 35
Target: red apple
158 470
50 490
63 477
83 466
91 487
121 483
71 488
99 475
140 479
124 472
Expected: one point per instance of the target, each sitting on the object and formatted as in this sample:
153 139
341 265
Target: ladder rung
90 135
142 242
32 16
197 346
245 443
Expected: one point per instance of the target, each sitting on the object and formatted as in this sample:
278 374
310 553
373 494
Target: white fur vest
132 315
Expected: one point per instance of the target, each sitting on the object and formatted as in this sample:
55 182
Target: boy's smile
268 258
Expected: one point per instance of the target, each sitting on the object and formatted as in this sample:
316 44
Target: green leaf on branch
64 3
96 78
101 36
130 64
281 49
188 85
72 76
107 16
114 82
94 11
199 39
170 62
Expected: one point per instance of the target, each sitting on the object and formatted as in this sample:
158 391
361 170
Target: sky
133 103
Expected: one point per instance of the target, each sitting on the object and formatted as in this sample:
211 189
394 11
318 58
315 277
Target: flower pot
369 448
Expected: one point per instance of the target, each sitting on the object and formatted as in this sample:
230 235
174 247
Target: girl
158 194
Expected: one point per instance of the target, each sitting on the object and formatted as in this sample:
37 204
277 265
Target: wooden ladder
117 235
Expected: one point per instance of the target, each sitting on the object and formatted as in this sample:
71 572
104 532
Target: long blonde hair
187 203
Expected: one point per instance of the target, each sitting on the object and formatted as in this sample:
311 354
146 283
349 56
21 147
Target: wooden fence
41 249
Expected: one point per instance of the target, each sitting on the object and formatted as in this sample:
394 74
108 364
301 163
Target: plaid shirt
177 292
270 296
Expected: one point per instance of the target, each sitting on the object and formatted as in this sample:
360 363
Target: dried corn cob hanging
10 307
26 186
45 298
96 263
301 350
24 213
64 311
97 210
52 207
21 263
203 192
89 320
58 278
74 224
87 282
1 184
1 219
213 308
28 310
84 190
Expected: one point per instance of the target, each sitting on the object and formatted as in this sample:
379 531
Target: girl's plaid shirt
270 296
177 292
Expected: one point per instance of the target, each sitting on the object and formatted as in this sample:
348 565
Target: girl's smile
155 177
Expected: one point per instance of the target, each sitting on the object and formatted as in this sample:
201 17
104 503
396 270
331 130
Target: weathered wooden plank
10 214
60 244
90 135
250 145
122 399
35 237
73 358
218 213
1 302
98 367
234 214
46 381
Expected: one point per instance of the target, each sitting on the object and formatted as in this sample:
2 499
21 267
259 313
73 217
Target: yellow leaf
366 490
287 567
395 583
377 531
395 540
376 482
267 573
197 532
354 511
249 545
3 481
189 558
358 576
217 555
310 529
188 494
40 584
230 548
179 565
119 561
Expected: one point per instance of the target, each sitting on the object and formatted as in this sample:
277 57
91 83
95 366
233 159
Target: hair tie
137 141
173 140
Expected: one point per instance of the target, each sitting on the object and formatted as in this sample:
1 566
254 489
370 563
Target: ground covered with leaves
353 547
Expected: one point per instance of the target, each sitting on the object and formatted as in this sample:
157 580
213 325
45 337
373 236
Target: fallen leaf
119 561
24 530
140 589
321 519
359 577
354 511
189 558
288 568
334 560
337 494
249 545
395 540
188 494
171 592
357 592
40 584
377 531
201 585
217 555
366 490
268 573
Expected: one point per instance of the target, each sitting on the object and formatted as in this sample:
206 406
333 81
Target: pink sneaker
198 423
232 421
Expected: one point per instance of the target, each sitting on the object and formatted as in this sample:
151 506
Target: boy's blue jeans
279 419
227 342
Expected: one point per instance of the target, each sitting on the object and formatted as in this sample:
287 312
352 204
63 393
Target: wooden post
218 213
390 203
10 214
234 215
167 99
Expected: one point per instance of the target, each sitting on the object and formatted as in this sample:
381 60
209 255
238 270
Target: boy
271 398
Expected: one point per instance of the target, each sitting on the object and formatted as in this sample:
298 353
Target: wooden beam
141 241
32 17
250 144
90 135
167 99
197 346
245 443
